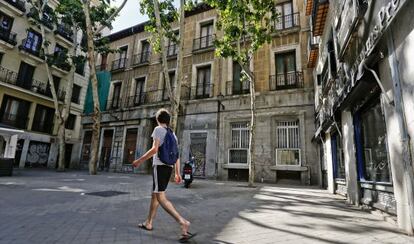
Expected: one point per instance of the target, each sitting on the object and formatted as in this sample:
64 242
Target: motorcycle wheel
186 184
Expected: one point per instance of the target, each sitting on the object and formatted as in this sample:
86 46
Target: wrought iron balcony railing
119 64
204 42
201 91
11 77
287 21
19 4
64 32
290 80
141 58
8 36
33 50
237 88
172 50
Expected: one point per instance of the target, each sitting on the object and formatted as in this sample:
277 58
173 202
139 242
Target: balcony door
286 15
206 32
25 76
6 24
33 42
116 97
203 82
286 70
145 51
139 91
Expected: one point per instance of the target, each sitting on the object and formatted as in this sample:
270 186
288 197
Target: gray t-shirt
159 133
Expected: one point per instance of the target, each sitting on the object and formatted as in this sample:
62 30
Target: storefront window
338 157
371 144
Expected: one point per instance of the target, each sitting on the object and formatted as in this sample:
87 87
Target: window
130 145
14 112
172 48
145 51
239 143
203 82
25 75
43 119
139 91
239 86
165 95
1 57
287 143
56 83
285 20
70 122
6 24
80 68
76 90
332 57
33 42
116 97
286 75
206 35
338 157
371 139
121 62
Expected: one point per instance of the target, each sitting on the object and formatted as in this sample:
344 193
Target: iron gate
198 150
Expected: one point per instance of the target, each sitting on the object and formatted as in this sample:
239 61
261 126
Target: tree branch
100 28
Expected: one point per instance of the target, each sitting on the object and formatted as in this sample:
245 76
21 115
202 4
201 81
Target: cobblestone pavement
47 207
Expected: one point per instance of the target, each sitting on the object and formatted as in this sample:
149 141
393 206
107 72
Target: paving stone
40 206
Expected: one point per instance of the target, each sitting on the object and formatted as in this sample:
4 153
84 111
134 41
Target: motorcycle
188 172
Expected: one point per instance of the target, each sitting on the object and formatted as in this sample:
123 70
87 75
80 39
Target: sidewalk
49 207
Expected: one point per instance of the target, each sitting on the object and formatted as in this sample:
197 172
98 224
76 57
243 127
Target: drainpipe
408 176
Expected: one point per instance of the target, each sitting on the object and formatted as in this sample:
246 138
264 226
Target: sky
129 15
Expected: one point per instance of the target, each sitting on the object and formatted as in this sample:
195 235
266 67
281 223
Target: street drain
106 193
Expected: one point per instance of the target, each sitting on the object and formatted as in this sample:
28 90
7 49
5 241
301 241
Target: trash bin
6 166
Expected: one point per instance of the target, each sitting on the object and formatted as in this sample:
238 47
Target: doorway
105 158
198 151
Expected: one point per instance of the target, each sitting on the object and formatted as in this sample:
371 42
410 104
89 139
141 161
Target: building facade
25 97
214 119
364 101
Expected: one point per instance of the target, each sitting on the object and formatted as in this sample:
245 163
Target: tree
97 17
66 14
162 15
246 26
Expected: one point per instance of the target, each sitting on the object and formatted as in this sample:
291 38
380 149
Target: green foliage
246 26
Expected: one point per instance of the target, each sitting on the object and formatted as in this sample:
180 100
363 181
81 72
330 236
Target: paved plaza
38 206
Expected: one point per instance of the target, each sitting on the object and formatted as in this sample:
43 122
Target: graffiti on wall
38 154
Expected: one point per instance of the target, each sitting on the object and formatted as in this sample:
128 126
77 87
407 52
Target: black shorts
160 177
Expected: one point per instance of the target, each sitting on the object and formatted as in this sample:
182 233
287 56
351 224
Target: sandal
185 238
144 227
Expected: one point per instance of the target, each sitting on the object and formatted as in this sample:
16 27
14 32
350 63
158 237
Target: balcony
14 120
17 6
114 104
172 51
8 36
313 50
319 14
41 88
201 91
37 52
145 98
141 58
60 62
119 64
291 80
232 89
46 21
287 21
65 32
203 43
